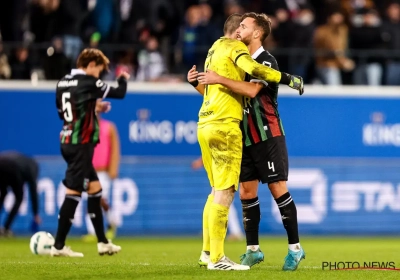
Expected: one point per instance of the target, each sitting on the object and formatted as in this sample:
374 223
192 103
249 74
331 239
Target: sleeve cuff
259 81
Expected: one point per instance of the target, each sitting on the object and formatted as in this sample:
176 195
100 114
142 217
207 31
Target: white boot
226 264
107 248
64 252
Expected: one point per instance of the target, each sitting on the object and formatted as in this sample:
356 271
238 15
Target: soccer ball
41 243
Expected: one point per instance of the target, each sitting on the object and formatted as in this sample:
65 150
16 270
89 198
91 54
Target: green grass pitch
176 258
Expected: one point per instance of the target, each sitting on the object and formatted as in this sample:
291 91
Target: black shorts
266 161
80 170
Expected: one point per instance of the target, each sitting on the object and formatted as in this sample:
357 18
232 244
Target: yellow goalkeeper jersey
230 58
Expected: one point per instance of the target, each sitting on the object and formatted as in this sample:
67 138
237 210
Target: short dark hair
262 21
90 54
232 23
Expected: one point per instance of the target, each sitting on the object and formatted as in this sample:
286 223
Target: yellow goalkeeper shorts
221 149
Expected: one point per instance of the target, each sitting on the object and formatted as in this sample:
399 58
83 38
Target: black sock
96 215
65 219
251 219
289 217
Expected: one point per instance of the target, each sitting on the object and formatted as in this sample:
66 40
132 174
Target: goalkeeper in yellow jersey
220 137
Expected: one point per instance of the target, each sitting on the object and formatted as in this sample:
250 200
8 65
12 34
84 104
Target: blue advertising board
164 196
159 124
344 160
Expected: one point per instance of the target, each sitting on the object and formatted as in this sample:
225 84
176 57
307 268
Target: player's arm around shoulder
241 57
266 59
243 88
192 79
263 72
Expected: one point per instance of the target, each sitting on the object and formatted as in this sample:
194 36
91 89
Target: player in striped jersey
77 100
265 155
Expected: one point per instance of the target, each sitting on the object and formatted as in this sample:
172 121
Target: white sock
111 218
253 247
295 247
89 225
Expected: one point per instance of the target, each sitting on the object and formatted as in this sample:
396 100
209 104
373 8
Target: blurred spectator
208 29
94 40
164 21
43 19
12 13
191 37
218 8
104 17
71 15
280 25
323 9
20 64
303 24
268 7
161 17
185 29
125 64
5 69
132 19
366 34
330 43
352 7
208 32
391 35
151 63
232 8
295 6
296 33
56 64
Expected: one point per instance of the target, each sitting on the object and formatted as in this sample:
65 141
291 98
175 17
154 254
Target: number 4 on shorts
271 166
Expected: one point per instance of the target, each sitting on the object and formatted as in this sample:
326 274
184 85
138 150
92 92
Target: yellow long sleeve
255 69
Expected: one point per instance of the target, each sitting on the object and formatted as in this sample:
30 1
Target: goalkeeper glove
296 82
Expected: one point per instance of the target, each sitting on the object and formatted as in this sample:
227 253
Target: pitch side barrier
343 144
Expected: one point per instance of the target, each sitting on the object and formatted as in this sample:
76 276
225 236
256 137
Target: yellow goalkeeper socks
206 231
217 221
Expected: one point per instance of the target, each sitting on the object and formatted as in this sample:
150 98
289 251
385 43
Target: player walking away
17 169
220 137
265 156
76 102
234 228
106 161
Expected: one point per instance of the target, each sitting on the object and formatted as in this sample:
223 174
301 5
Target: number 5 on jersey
66 107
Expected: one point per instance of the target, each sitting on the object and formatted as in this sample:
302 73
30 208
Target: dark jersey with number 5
261 119
76 102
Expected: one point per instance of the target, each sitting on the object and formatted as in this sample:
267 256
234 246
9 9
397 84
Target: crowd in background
325 41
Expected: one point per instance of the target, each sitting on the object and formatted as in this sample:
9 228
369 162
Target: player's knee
225 197
278 188
247 192
94 187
